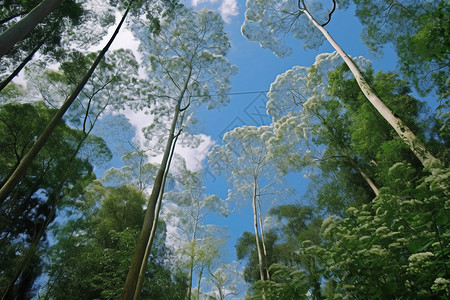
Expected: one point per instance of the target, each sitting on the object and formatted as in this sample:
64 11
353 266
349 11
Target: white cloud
195 3
194 157
228 9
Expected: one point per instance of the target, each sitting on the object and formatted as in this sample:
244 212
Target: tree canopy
339 191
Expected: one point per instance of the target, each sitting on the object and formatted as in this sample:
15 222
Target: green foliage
57 172
92 255
394 247
419 33
286 283
246 250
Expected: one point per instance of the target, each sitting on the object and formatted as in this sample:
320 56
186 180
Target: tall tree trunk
22 28
133 274
191 264
40 142
141 277
419 150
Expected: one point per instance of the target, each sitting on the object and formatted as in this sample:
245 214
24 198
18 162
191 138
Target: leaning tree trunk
19 172
139 253
349 158
22 28
419 150
141 276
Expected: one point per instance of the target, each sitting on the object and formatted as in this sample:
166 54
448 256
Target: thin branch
329 15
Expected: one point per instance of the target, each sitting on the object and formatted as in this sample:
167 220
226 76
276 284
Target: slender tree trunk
261 228
133 274
191 264
258 246
419 150
255 225
40 142
141 277
363 175
20 67
199 282
341 147
22 28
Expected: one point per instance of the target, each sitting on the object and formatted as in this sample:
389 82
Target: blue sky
258 68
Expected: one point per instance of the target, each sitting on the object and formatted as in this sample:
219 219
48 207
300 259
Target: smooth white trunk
425 157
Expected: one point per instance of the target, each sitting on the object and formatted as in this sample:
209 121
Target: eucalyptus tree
99 92
185 62
269 21
21 169
198 242
306 118
109 87
252 173
226 279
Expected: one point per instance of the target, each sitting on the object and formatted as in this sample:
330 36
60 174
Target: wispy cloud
226 8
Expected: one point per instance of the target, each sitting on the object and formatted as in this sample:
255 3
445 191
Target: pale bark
419 150
22 28
261 228
19 172
255 224
199 282
363 175
138 257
